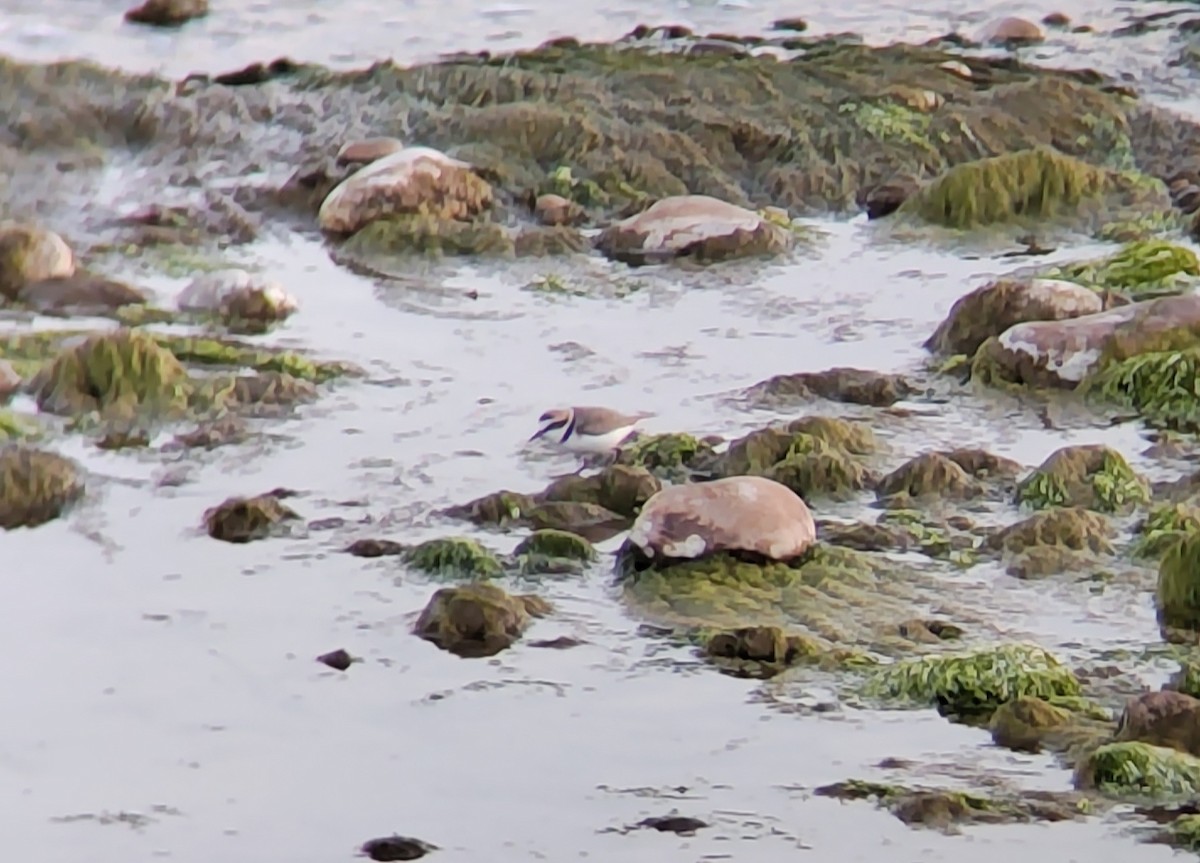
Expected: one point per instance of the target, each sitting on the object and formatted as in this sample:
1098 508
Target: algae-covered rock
454 557
758 651
1161 386
1029 184
412 180
974 683
618 488
1139 268
246 519
1178 594
1073 528
1091 476
240 300
1130 769
123 373
1165 718
931 474
1165 525
742 514
556 544
229 353
31 254
499 509
695 226
813 468
988 311
424 234
477 620
1022 723
854 386
663 454
35 486
848 435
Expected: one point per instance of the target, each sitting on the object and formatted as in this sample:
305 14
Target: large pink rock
695 225
740 513
1063 353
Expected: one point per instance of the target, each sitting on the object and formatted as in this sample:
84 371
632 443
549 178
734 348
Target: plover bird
588 429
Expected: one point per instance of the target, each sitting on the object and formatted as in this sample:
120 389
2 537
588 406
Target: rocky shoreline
663 147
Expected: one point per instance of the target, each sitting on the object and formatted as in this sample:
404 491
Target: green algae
813 468
973 683
454 557
1178 592
1142 268
891 122
1162 386
1139 770
1165 525
17 427
1095 477
428 235
1034 183
1184 832
667 455
225 352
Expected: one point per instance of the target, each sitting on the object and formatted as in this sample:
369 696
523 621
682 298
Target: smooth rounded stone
993 308
556 210
740 513
1063 353
1009 31
412 180
697 225
957 68
368 150
10 381
236 293
167 13
31 254
1166 718
1056 19
81 293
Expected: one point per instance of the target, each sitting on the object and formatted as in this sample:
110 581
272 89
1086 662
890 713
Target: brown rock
167 13
31 254
794 24
556 210
235 295
368 150
991 309
840 384
740 513
1011 31
1062 353
886 198
1056 19
81 294
409 181
10 381
698 226
1166 718
477 619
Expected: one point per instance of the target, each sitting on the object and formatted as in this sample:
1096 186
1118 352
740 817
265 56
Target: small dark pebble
563 642
257 73
1189 200
397 848
674 824
796 25
1056 19
338 659
167 13
374 548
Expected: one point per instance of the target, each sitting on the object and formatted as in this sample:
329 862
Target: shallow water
154 671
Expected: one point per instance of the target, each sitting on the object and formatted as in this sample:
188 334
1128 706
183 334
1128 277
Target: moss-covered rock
477 620
1029 184
930 474
230 353
1139 770
80 294
1022 723
813 468
124 373
17 427
1140 269
853 386
556 544
1164 526
498 509
35 486
1178 594
246 519
426 235
974 683
665 455
618 488
454 557
1165 718
850 436
1093 476
1072 528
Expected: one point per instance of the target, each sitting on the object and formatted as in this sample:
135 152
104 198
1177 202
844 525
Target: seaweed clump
1093 476
35 486
1035 183
1178 594
1165 525
1139 770
1160 385
1143 268
973 684
456 557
